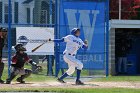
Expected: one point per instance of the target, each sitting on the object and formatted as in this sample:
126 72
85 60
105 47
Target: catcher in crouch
17 65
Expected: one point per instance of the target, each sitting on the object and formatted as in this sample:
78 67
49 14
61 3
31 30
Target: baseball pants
72 63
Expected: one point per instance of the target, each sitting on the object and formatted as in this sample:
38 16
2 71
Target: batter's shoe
20 80
78 82
8 81
61 81
1 81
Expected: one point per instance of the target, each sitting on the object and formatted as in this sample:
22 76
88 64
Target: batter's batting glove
50 39
86 42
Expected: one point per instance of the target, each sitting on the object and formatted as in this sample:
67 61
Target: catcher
17 65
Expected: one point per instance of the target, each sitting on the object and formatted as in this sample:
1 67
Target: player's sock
63 76
78 74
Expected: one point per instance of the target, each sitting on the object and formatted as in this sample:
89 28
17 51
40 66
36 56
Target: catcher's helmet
74 30
19 47
3 29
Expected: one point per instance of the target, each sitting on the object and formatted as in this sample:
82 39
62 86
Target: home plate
47 84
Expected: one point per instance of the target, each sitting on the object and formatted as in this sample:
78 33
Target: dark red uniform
17 67
1 46
19 60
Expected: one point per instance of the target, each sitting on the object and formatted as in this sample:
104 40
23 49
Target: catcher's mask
3 29
19 47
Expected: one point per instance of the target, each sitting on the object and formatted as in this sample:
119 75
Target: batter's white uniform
73 43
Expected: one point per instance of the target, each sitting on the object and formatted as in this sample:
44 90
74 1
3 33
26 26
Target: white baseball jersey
73 43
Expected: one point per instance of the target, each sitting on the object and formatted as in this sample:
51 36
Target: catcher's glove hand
38 69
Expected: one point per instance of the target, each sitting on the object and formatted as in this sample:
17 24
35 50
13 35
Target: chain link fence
28 13
32 13
125 9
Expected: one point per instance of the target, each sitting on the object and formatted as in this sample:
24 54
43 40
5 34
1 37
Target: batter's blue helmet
74 30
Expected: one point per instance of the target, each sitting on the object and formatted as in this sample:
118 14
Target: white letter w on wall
84 21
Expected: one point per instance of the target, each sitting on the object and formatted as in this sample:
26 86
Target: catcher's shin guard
1 69
28 73
12 76
20 79
1 72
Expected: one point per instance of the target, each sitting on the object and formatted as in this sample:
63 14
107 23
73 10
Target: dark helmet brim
20 47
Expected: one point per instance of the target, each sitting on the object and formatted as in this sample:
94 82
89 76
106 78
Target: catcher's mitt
38 69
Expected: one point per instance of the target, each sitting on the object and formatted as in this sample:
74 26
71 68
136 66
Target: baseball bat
33 50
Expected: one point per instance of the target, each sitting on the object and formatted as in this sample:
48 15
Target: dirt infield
53 84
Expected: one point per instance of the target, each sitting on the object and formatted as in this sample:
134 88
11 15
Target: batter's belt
69 54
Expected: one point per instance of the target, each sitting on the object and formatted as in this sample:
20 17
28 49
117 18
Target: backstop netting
32 22
91 17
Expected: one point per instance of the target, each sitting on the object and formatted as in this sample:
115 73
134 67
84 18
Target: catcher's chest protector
19 60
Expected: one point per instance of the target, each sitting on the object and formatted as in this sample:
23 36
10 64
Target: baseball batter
73 43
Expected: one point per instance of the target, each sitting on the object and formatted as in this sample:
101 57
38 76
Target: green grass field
42 78
118 79
61 90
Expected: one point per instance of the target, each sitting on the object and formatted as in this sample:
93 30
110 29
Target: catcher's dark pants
1 64
1 69
0 55
23 72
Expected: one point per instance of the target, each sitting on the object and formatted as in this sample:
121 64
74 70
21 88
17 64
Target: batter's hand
50 39
86 42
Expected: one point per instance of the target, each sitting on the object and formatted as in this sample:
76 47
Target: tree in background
137 8
130 9
114 9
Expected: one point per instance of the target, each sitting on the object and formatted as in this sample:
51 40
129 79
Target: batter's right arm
85 45
64 39
57 40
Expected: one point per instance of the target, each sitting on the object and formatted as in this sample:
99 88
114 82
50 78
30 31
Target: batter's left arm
85 45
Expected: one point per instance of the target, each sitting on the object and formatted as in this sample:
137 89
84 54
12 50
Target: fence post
107 38
56 36
51 12
9 36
